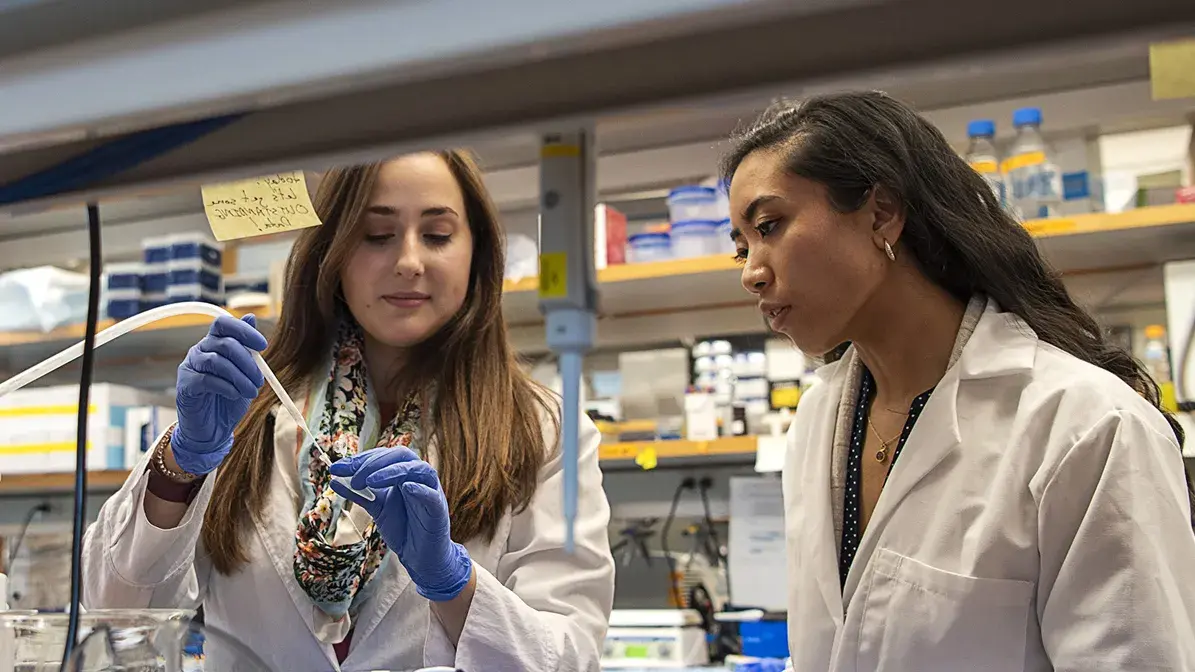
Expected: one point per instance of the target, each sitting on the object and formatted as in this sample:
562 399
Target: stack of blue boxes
183 267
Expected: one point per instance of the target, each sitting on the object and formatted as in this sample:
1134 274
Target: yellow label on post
1172 69
786 397
647 458
260 206
559 151
553 275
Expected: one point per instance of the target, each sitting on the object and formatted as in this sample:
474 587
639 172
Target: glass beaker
167 646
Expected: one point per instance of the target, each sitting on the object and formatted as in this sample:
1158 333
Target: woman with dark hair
392 340
981 481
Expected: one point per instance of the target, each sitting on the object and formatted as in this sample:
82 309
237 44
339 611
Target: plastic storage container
156 279
122 303
983 157
725 244
196 246
156 250
124 276
645 247
195 271
239 284
693 203
193 292
695 238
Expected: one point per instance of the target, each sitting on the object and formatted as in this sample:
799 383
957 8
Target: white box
701 417
38 427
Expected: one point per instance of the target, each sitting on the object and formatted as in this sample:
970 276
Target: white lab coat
536 608
1037 519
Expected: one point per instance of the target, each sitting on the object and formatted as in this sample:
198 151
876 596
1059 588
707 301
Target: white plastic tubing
121 328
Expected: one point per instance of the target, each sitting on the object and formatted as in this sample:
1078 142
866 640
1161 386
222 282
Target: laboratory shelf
737 450
1108 260
166 340
58 483
679 454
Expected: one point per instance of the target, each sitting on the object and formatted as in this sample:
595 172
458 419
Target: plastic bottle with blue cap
983 156
1033 180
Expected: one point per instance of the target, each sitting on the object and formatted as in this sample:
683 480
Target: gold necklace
882 454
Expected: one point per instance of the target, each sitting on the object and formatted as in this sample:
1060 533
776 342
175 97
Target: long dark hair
955 227
487 419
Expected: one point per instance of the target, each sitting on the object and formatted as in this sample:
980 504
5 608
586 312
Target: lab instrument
568 281
654 638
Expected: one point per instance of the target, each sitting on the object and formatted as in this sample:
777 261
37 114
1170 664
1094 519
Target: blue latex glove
216 382
412 514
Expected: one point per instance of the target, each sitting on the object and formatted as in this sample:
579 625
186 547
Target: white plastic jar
693 203
647 247
694 238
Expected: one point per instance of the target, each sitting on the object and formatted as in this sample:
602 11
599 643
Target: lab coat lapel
819 548
934 436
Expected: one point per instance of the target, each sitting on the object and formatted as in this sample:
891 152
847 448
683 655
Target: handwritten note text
259 206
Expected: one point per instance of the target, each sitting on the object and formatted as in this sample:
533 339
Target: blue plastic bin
764 639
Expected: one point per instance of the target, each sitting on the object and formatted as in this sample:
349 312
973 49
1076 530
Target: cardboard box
610 237
38 427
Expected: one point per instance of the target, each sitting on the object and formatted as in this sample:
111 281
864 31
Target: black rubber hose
80 508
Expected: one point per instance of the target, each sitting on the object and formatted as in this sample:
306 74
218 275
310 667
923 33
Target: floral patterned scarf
336 578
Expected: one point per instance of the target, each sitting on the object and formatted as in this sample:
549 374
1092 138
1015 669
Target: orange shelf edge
1158 215
75 332
113 479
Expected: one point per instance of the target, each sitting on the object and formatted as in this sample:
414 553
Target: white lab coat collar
1001 344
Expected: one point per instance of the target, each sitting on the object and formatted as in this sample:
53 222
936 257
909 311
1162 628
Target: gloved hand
216 382
411 512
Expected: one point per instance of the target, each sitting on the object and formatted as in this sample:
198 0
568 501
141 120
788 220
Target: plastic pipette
148 317
297 416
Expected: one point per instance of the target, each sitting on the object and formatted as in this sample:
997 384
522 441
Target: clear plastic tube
186 308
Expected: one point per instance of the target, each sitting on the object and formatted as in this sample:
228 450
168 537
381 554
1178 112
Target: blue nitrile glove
216 382
411 512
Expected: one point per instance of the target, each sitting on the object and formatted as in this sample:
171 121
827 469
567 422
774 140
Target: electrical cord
80 504
16 546
704 488
686 484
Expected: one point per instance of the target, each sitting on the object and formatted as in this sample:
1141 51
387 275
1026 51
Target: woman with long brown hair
392 340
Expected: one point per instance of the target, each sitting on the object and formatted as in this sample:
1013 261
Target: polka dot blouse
853 493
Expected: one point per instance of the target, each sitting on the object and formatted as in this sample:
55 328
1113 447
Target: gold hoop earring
889 252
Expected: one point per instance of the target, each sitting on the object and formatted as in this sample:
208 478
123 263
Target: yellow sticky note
1172 69
260 206
647 458
553 275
